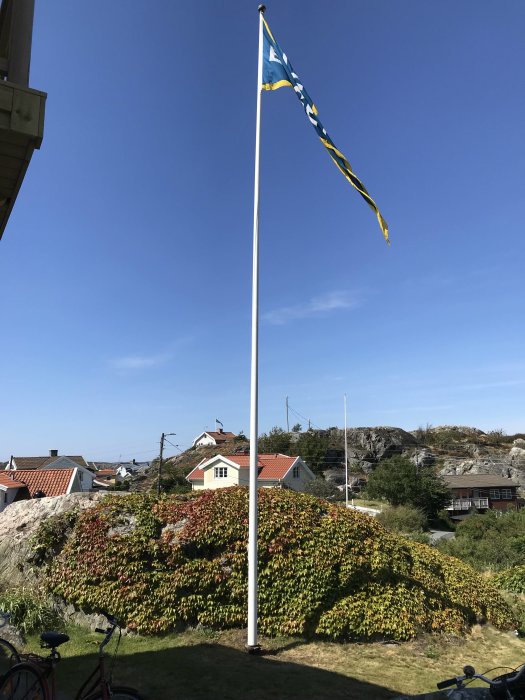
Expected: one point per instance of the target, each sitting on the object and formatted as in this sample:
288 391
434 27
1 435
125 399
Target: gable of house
51 461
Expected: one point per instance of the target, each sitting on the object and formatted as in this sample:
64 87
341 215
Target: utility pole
287 421
162 438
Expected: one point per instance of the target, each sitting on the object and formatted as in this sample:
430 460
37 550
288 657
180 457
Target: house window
221 472
295 472
506 494
494 494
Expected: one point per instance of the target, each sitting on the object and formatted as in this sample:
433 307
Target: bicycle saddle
53 639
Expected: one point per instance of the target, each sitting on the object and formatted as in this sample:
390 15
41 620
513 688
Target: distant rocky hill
449 449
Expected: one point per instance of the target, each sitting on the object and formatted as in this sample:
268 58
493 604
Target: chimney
134 460
221 431
53 453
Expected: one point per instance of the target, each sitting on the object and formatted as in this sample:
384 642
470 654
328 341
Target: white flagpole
252 644
346 462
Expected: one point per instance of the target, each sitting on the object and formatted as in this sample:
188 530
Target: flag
218 421
277 73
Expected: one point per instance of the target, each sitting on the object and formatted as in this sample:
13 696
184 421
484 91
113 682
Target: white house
275 470
213 438
55 461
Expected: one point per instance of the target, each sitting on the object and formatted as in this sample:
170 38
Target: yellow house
275 470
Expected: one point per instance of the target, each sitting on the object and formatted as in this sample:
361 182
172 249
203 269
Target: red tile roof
53 482
8 481
271 467
39 462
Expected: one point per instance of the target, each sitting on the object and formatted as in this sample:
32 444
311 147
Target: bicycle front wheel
8 656
115 692
23 682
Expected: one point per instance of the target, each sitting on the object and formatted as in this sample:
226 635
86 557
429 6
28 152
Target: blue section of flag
277 73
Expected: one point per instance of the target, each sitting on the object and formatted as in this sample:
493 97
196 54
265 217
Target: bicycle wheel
116 692
8 656
23 682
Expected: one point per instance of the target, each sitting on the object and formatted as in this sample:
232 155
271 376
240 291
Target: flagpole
252 645
346 462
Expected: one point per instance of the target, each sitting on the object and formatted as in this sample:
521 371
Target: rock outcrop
19 521
367 446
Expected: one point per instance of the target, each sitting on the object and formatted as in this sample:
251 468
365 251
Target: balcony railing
468 503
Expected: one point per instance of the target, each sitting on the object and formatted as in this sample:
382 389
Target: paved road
436 535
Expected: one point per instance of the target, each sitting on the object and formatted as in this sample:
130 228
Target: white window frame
495 494
295 472
506 494
220 472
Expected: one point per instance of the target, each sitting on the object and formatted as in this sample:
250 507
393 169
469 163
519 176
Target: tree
297 428
312 447
276 441
400 482
323 489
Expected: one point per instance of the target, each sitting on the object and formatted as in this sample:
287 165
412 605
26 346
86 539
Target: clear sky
126 264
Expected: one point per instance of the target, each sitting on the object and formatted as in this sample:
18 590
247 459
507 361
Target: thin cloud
318 306
137 362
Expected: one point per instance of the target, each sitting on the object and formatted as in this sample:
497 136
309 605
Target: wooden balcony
21 108
21 131
468 503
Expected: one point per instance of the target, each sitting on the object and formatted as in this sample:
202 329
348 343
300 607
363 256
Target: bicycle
8 653
33 678
508 686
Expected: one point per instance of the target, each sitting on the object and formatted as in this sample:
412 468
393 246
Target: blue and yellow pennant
277 73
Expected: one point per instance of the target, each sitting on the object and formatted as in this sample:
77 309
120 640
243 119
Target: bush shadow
225 673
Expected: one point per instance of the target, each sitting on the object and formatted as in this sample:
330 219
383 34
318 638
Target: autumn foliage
178 561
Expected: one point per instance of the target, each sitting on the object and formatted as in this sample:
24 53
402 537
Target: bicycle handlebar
449 682
504 681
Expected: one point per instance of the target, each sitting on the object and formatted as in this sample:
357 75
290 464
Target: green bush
512 579
403 519
323 489
442 521
490 541
51 536
421 537
30 610
322 570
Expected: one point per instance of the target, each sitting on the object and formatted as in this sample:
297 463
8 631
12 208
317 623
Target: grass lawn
200 664
380 505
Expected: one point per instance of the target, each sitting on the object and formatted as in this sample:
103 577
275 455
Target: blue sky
126 264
